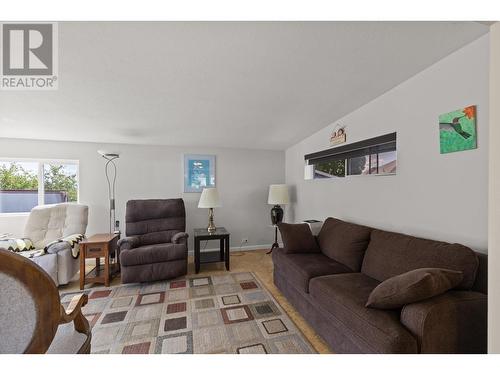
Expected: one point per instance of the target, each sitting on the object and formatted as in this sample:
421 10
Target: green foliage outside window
332 168
55 178
14 177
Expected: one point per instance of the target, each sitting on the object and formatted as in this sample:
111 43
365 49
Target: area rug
230 313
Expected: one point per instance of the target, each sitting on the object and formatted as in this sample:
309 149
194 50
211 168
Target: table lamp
210 199
278 195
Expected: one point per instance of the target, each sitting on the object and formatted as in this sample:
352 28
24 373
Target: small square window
18 186
60 182
359 165
329 169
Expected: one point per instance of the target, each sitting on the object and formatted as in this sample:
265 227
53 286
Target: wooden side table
222 255
99 246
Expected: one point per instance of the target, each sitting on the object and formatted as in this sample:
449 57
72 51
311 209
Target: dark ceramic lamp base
276 218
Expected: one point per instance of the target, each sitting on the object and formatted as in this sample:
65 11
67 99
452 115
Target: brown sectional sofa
330 288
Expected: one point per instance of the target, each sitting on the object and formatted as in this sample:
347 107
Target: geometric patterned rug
231 313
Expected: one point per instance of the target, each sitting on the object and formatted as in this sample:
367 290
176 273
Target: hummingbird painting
457 130
454 126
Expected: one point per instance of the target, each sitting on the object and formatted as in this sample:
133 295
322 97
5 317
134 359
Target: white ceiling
263 85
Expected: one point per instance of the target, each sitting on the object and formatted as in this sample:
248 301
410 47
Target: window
329 169
60 183
25 184
377 164
358 165
375 156
18 186
387 162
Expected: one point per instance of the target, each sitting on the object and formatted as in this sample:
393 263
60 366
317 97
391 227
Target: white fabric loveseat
49 223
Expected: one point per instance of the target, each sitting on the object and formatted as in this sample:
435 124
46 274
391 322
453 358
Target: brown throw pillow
297 238
344 242
413 286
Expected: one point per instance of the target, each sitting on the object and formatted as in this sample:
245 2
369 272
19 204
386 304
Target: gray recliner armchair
156 244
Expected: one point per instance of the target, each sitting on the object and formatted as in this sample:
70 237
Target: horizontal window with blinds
374 156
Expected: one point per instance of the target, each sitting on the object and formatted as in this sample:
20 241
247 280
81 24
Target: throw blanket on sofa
73 240
25 247
16 244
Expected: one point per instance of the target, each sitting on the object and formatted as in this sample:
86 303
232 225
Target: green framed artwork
457 130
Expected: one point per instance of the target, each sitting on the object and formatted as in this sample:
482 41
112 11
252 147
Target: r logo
27 49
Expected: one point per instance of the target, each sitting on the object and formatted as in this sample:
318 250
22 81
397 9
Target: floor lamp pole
111 191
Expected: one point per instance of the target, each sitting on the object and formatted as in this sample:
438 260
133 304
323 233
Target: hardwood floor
258 262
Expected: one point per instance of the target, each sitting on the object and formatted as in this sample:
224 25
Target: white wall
435 196
242 177
494 204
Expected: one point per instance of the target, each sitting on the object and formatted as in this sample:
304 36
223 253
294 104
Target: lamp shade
278 194
209 198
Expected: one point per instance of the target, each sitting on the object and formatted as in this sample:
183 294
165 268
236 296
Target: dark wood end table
99 246
222 255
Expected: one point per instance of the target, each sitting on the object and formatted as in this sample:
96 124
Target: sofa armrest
56 247
127 243
65 243
180 238
453 322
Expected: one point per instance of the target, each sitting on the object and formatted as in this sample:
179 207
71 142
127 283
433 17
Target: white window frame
41 187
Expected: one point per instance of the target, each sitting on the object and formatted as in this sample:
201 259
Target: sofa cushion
300 268
145 273
344 296
47 223
298 238
344 242
390 254
413 286
148 254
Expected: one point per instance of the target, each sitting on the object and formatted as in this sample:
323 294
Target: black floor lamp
278 195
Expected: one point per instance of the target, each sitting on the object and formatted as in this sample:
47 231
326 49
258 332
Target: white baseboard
238 248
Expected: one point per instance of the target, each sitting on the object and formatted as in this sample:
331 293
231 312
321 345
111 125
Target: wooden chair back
24 286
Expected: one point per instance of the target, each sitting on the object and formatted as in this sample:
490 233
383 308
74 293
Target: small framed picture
199 173
457 130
